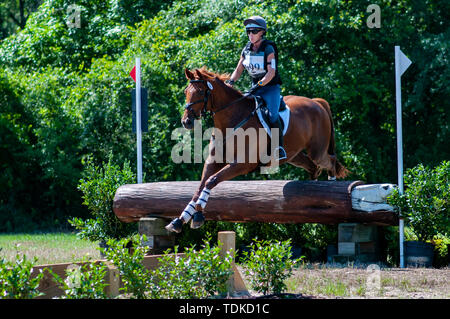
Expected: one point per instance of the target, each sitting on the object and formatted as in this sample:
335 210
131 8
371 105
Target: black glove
230 82
253 89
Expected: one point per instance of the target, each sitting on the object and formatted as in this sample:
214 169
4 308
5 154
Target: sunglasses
253 31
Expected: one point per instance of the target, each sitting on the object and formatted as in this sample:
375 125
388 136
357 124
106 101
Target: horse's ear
199 74
189 74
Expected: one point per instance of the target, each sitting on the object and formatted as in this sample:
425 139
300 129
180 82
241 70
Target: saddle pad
284 116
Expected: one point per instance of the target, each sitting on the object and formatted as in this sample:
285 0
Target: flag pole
398 95
138 121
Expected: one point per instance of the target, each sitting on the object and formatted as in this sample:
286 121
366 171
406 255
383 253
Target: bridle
205 99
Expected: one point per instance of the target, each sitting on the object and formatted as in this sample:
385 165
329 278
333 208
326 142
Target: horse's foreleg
191 209
228 172
200 197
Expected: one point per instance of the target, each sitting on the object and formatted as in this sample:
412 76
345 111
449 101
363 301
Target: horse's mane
209 75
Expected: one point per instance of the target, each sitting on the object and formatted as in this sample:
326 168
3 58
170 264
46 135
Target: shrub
211 270
173 278
426 200
441 244
85 281
268 264
198 274
135 277
17 280
99 186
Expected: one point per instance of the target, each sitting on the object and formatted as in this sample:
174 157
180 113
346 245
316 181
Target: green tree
14 14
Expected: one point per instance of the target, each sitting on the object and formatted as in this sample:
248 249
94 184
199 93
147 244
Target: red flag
133 73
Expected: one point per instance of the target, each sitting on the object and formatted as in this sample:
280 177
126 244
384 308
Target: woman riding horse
260 58
309 139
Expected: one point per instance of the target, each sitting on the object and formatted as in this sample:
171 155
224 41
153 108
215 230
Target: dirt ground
322 281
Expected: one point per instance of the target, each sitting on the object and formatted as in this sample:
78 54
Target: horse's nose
187 123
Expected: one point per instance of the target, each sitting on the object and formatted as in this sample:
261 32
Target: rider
260 59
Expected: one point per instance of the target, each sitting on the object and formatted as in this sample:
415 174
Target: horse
309 140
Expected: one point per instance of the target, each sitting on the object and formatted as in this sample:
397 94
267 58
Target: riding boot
279 153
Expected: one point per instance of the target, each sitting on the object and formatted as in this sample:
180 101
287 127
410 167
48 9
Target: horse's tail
341 171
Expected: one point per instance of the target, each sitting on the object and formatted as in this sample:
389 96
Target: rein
205 99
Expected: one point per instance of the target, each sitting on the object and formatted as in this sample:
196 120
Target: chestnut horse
309 139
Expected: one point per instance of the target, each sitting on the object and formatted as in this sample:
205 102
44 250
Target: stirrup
279 153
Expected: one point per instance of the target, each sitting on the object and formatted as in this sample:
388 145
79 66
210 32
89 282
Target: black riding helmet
255 22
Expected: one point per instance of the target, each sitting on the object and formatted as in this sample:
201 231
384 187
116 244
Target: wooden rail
274 201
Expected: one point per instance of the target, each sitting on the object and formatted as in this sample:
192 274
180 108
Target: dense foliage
425 202
85 281
198 273
17 280
99 185
65 91
268 265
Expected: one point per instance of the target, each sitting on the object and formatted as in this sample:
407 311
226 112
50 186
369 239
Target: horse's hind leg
303 161
332 168
325 161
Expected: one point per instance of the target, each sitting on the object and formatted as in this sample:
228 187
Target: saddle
263 114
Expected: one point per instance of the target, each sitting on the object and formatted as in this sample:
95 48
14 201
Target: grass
355 281
50 248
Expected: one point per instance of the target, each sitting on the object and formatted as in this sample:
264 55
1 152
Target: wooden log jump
269 201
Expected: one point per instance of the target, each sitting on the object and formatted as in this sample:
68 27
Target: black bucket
418 254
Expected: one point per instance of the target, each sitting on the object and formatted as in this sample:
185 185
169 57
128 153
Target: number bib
254 64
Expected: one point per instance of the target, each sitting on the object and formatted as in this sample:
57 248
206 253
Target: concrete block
346 248
354 232
152 226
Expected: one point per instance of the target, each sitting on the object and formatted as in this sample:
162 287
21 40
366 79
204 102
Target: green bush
209 268
39 143
136 279
426 200
17 280
85 281
441 253
198 274
174 279
268 265
99 186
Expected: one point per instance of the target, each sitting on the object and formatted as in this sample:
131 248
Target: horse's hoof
175 225
197 220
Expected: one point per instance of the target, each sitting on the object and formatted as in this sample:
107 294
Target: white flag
404 62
